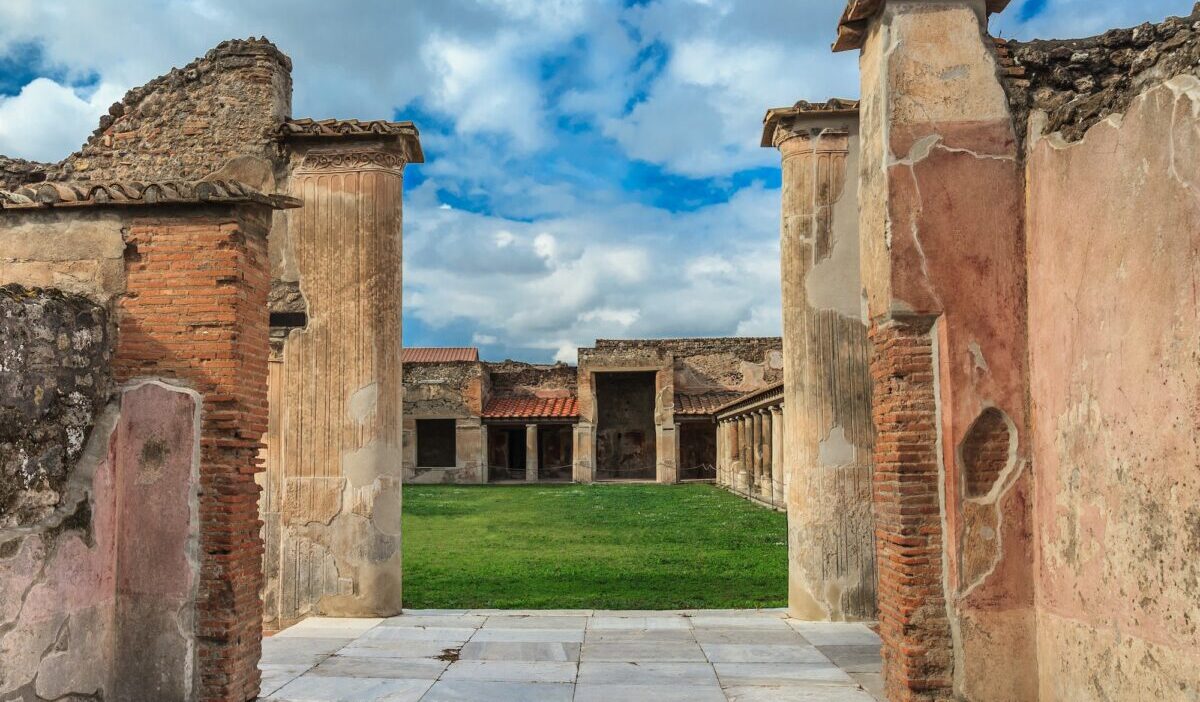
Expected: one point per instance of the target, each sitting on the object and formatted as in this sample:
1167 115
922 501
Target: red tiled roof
703 403
446 354
531 408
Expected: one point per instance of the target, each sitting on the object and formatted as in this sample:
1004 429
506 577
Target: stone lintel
852 27
353 130
835 112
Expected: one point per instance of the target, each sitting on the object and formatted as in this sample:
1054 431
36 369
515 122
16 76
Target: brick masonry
908 529
196 313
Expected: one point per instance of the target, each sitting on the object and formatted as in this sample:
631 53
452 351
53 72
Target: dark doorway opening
506 452
555 451
698 450
435 443
625 443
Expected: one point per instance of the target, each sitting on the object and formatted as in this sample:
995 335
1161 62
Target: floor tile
646 673
854 659
297 650
275 676
329 627
762 653
489 691
435 620
530 635
318 689
872 683
649 693
743 674
532 612
748 622
774 637
791 693
648 635
520 651
835 633
403 649
364 667
512 671
418 633
601 622
636 651
531 622
436 612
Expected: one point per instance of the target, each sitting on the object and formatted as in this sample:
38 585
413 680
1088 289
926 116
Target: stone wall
1114 265
455 390
1079 82
530 379
743 364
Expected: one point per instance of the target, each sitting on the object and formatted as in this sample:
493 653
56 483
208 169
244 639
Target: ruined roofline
63 195
16 172
613 342
308 128
852 27
831 108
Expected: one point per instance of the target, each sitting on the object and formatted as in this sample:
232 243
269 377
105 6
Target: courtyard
627 546
488 655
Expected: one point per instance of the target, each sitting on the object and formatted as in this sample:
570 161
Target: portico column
742 480
756 426
777 466
531 453
767 476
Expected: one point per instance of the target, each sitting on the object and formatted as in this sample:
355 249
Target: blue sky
593 166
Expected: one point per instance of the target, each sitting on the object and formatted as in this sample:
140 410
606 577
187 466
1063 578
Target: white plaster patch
835 449
363 402
977 354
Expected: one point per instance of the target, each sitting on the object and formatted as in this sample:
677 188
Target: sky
593 167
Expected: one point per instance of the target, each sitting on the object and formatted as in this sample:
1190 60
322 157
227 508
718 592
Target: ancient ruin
981 418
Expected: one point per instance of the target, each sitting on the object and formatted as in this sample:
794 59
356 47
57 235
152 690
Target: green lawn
590 546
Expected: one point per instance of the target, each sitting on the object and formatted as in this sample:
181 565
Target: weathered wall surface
515 378
942 242
827 408
1114 256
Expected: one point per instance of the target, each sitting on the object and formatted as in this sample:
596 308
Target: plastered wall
1114 266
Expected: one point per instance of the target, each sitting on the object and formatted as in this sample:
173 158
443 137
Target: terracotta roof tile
439 354
702 403
532 408
159 193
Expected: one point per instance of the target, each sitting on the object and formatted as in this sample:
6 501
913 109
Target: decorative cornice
351 161
66 194
342 129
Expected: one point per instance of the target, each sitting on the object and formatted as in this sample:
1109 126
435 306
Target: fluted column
742 480
339 423
531 453
828 431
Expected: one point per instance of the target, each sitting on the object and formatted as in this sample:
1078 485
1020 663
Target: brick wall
908 528
196 312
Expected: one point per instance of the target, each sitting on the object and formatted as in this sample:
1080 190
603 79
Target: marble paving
572 656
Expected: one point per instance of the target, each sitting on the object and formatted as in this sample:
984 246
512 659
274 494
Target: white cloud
503 238
483 339
43 120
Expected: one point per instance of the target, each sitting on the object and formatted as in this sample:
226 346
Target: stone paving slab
572 656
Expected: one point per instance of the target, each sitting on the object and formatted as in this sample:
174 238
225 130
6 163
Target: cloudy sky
593 166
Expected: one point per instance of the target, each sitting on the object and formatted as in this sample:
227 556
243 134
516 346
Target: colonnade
750 447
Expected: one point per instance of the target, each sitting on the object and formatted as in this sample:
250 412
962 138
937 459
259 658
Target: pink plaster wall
1114 275
80 609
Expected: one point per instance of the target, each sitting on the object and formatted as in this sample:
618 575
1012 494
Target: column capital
807 119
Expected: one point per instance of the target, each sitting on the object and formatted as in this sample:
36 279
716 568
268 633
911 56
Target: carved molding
343 161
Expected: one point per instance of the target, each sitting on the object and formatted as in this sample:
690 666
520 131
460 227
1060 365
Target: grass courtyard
590 547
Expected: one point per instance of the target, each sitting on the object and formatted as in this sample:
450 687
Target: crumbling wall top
326 129
1078 82
15 172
